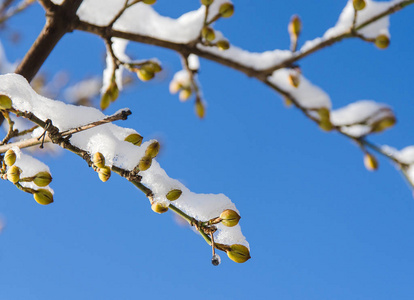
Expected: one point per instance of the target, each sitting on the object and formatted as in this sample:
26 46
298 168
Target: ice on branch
404 156
118 48
309 96
109 140
363 117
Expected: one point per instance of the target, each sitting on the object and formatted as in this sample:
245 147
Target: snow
356 119
308 95
108 139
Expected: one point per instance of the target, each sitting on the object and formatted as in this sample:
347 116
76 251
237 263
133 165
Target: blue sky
319 225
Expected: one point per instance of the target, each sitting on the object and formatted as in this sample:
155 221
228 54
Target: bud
226 10
370 162
288 101
175 86
149 2
113 91
42 179
104 173
9 157
153 149
295 26
229 218
98 160
215 260
238 253
223 45
145 74
173 194
13 174
207 2
383 124
208 34
43 196
358 4
134 138
325 122
294 80
185 94
200 110
5 102
105 100
145 163
382 41
159 207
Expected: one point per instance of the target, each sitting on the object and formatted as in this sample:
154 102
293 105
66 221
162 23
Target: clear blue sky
320 226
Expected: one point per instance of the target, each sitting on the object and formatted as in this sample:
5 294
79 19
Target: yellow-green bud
200 110
207 2
134 138
370 162
98 160
288 101
173 194
208 33
43 196
104 173
145 74
153 149
229 218
226 10
5 102
294 80
383 124
325 122
13 174
105 100
149 2
151 66
382 41
238 253
42 179
295 26
159 208
184 94
145 163
359 4
223 45
113 91
10 157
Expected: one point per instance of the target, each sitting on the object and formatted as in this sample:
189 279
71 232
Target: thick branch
60 20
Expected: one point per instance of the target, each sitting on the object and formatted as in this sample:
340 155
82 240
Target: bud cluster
147 70
11 172
104 171
110 95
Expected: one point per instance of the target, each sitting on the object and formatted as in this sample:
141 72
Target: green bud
134 138
229 218
145 75
226 10
207 2
208 33
382 41
43 196
370 162
383 124
238 253
145 163
13 174
42 179
153 149
325 122
359 4
5 102
105 100
104 173
113 91
200 109
184 94
159 208
295 26
174 194
294 80
149 2
98 160
9 157
223 45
